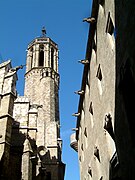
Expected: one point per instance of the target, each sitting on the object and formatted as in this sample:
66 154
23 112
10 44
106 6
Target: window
80 158
41 55
41 58
46 73
82 147
99 73
85 132
90 171
109 26
91 114
96 153
86 135
91 108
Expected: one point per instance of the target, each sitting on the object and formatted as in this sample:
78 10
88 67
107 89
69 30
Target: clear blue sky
20 22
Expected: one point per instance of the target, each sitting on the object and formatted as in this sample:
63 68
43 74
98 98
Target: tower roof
43 39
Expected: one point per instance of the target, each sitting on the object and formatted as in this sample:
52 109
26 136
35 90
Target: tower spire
43 31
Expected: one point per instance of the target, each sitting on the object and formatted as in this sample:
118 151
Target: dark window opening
91 108
110 26
99 73
41 58
52 58
96 153
127 86
82 147
90 171
80 158
85 132
46 73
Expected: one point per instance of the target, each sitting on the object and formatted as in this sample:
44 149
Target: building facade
33 148
104 137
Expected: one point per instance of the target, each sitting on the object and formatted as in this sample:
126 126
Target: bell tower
42 52
42 90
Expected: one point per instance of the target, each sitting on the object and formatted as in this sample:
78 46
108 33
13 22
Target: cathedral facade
30 143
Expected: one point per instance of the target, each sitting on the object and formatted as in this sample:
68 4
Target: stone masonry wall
95 145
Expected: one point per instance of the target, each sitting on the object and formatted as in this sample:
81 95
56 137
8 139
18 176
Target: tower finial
43 31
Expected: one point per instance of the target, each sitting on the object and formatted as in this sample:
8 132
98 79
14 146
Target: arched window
52 58
41 56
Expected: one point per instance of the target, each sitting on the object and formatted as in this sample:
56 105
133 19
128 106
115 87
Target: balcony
73 142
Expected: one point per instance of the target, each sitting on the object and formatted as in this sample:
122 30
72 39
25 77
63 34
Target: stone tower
30 143
41 88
